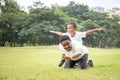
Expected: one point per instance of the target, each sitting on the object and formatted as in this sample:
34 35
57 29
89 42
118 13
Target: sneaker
61 63
90 62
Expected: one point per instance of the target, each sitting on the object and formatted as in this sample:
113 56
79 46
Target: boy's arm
57 32
94 30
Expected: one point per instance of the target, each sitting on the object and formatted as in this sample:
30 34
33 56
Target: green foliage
91 40
8 17
19 27
75 10
93 16
9 6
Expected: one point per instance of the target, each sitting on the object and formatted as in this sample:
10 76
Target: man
79 54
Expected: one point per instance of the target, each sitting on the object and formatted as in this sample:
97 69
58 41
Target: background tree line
19 28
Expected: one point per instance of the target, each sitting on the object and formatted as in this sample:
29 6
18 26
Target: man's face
66 45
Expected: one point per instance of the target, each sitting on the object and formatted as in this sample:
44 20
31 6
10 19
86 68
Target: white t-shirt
75 45
78 36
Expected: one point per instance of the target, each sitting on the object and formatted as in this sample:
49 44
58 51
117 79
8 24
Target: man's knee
83 67
67 64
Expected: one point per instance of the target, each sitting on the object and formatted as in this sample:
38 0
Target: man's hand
63 55
67 57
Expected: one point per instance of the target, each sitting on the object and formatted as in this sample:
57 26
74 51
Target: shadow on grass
3 78
101 66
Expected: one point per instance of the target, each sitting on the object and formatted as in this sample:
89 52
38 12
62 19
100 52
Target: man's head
71 28
65 42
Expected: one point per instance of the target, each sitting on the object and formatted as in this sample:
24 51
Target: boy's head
65 42
71 27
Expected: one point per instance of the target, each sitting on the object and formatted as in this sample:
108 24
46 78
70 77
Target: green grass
41 63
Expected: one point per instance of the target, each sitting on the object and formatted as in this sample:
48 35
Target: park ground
41 63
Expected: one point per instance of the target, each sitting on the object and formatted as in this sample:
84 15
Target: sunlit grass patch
41 63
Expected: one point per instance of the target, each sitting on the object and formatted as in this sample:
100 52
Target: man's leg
67 64
61 62
72 63
82 63
90 63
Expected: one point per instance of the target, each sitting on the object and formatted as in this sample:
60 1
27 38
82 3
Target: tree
9 12
114 18
39 22
75 10
91 40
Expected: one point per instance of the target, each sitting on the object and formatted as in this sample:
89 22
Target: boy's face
66 45
71 29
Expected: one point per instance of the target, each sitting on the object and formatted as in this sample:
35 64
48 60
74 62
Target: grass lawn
41 63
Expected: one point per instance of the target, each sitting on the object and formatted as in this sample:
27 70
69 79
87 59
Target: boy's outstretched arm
94 30
57 32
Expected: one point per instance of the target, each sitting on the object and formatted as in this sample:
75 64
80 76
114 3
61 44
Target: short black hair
63 38
73 25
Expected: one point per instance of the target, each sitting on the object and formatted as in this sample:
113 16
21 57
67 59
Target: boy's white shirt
78 36
75 46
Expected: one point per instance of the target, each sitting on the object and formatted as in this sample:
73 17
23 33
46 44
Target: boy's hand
101 29
51 31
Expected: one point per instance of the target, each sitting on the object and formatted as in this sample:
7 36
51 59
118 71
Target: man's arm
94 30
57 32
74 55
63 55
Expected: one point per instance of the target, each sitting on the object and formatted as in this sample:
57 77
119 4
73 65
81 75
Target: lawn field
41 63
